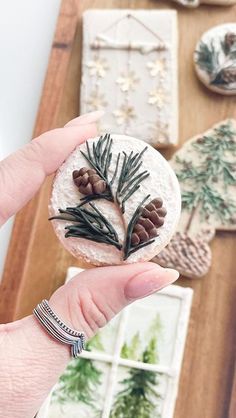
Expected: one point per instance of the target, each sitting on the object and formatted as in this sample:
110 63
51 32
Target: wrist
31 363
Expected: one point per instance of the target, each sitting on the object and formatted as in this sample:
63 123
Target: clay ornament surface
215 59
115 200
206 169
129 70
138 351
196 3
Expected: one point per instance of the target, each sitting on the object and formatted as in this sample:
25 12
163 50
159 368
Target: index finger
22 173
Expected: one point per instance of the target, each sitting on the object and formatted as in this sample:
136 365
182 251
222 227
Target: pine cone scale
146 223
155 218
230 39
229 75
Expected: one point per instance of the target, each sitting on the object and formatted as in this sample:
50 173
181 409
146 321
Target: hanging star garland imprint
138 68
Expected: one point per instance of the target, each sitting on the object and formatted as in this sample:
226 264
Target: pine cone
230 39
88 181
190 256
151 218
229 75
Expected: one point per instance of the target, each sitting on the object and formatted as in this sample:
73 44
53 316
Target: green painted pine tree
216 166
139 397
80 380
132 351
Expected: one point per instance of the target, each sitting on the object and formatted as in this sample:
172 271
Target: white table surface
26 33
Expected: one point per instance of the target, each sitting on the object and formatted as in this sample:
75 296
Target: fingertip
86 119
150 281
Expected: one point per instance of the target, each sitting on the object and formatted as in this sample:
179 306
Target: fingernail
86 118
150 281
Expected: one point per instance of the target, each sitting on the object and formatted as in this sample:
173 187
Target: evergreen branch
80 381
132 351
214 204
127 247
116 170
233 54
139 397
139 246
99 158
211 149
221 79
91 225
226 132
207 57
129 180
228 177
91 197
134 189
106 222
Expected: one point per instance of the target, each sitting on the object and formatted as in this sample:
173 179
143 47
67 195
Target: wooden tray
36 263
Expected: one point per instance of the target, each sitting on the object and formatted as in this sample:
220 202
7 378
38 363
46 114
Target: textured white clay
215 59
161 183
206 169
129 69
196 3
163 316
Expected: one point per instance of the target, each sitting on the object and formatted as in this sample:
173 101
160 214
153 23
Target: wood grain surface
232 408
36 262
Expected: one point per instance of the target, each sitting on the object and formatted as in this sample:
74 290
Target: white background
26 33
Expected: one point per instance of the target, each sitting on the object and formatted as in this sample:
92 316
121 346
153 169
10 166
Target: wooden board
232 408
36 262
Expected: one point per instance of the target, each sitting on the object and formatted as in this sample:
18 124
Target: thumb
95 296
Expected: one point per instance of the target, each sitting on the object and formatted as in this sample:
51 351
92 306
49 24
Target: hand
30 360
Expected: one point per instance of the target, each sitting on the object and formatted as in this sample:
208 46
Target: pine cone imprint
230 39
151 218
190 256
229 75
88 181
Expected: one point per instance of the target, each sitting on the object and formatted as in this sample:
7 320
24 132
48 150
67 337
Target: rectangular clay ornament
129 70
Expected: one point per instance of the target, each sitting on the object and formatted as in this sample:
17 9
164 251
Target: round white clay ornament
215 59
115 200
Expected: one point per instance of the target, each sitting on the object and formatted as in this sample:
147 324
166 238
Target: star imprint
97 67
96 101
127 81
124 114
157 67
